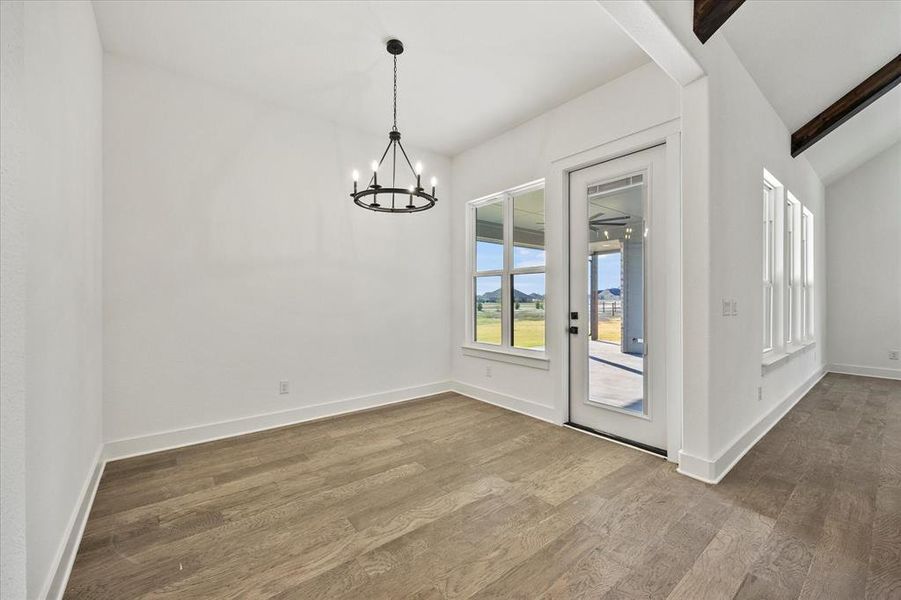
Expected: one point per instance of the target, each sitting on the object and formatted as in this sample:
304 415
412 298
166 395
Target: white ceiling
471 70
806 55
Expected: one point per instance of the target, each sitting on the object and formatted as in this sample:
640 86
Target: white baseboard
188 436
880 372
713 471
526 407
58 577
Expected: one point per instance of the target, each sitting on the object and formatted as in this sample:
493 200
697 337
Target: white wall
12 302
234 259
722 252
63 185
863 245
633 102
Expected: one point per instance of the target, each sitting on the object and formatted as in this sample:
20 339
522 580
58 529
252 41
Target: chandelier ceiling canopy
394 199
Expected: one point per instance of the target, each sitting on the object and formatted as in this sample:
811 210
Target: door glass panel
487 318
528 311
616 294
490 237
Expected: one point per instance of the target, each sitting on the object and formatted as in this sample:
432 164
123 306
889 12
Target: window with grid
508 269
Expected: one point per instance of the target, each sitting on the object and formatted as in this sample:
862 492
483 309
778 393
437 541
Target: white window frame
791 275
791 246
777 268
505 351
807 275
769 266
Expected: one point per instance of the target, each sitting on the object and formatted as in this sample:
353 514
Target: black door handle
574 330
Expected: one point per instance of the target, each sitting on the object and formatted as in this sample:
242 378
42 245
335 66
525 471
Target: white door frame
668 133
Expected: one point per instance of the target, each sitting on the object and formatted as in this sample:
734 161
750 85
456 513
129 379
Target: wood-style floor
452 498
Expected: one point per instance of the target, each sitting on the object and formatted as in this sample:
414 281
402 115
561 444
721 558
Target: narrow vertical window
769 252
807 266
792 263
489 272
508 269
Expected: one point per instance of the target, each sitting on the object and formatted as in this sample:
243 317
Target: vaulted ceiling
471 70
806 55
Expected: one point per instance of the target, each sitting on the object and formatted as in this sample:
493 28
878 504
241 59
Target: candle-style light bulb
418 175
356 176
419 168
375 166
434 184
375 173
411 205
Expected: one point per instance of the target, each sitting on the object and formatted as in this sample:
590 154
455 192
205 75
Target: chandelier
394 199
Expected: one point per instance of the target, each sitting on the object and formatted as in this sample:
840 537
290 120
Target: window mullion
507 282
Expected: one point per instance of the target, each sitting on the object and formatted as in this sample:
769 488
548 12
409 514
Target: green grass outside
610 329
528 325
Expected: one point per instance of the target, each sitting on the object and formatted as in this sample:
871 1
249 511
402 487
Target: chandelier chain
395 92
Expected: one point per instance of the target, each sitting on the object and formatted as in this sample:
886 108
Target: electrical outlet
759 393
893 355
488 371
283 386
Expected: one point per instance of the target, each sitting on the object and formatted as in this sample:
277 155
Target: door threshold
659 452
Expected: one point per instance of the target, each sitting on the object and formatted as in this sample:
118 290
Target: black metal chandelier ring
410 207
393 197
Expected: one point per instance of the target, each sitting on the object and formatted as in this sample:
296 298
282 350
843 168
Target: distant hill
610 294
518 296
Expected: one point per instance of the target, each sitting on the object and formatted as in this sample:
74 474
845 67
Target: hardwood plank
452 498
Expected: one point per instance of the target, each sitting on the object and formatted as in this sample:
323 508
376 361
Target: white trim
771 360
864 371
58 576
197 434
507 272
667 133
525 407
642 23
713 471
526 358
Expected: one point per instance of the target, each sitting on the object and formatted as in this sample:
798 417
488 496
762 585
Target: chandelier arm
393 170
409 164
381 160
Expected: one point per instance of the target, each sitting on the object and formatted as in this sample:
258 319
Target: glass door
616 385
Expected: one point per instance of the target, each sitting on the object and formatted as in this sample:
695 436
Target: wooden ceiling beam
847 106
709 15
